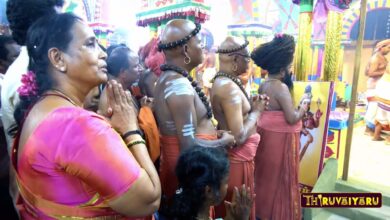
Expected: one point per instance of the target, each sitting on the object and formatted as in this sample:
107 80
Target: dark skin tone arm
372 70
185 119
240 128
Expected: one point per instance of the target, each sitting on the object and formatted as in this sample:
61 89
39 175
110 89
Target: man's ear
185 48
57 59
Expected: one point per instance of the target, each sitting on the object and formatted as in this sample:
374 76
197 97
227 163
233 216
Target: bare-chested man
183 112
375 69
233 110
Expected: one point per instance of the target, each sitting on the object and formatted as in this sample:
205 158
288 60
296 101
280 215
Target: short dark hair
118 60
113 47
275 55
197 168
4 40
21 14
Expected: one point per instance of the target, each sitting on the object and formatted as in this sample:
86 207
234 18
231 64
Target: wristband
132 143
127 134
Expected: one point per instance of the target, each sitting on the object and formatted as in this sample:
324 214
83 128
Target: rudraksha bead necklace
181 42
198 90
236 80
232 50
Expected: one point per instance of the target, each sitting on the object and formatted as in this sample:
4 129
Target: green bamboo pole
356 73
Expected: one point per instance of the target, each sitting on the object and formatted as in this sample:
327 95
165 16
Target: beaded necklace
181 42
194 84
232 50
235 80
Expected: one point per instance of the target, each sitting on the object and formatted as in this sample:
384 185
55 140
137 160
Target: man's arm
372 67
232 107
180 99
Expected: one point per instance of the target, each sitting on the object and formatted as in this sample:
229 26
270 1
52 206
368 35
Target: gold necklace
61 95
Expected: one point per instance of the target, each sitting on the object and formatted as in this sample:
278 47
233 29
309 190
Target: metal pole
356 73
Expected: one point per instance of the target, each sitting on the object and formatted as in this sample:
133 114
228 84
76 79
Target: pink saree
72 164
276 168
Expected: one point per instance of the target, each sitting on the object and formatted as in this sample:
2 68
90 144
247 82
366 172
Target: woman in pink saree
72 163
277 157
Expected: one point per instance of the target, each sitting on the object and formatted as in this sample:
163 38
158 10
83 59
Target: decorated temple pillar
4 29
332 45
97 13
333 52
304 51
100 24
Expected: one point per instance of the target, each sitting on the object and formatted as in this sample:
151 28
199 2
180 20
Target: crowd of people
120 133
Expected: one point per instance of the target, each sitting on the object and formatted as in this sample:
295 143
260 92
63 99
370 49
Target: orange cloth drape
170 151
147 123
277 166
241 171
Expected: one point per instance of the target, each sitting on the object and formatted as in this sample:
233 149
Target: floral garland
29 86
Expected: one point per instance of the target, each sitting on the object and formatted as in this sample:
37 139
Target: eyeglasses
247 57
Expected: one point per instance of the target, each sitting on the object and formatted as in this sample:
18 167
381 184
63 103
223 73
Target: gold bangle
132 143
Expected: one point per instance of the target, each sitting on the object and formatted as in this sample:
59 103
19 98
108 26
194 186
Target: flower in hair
29 86
279 35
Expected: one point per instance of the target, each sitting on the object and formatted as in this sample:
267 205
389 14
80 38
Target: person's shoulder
223 83
76 114
178 85
167 78
280 90
376 57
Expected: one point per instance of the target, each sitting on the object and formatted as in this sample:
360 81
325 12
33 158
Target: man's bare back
280 100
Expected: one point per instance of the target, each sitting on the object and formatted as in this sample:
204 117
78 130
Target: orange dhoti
170 151
147 123
241 171
277 165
